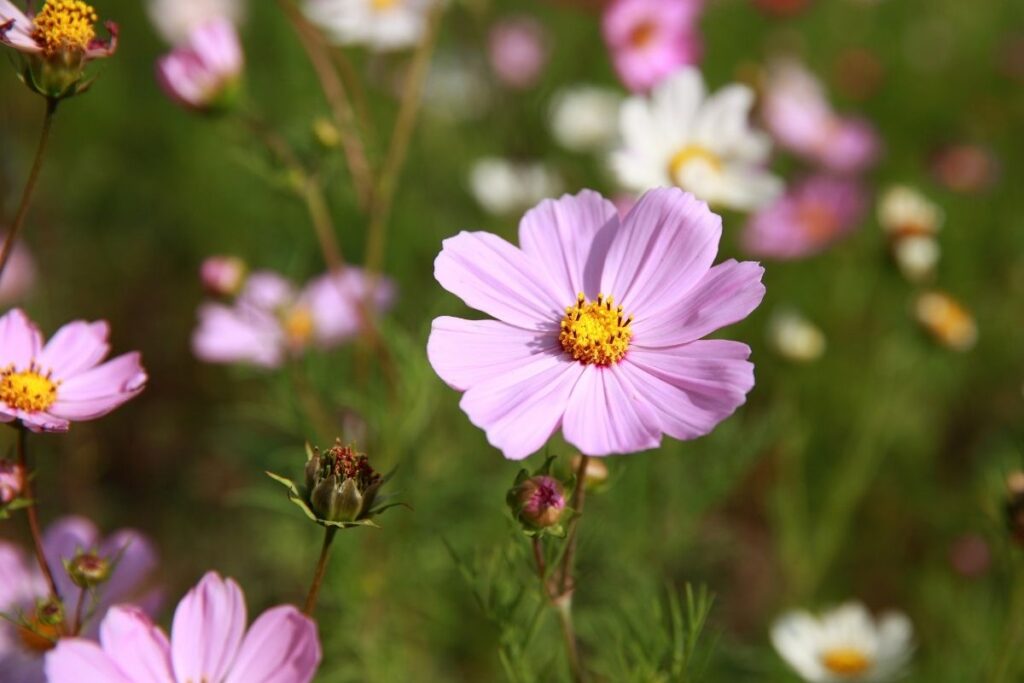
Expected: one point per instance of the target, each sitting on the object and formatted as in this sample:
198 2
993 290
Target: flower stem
30 511
76 625
321 568
563 607
30 185
1007 660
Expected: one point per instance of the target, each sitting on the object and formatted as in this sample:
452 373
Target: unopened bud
222 275
326 133
12 482
88 570
538 502
1015 506
341 484
40 630
946 320
596 473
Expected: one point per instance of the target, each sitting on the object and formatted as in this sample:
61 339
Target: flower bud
40 630
205 73
341 485
946 320
326 133
1015 506
12 482
222 275
596 474
88 570
538 502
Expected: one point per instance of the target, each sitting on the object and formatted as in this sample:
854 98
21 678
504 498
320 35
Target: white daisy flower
504 187
902 211
681 136
585 117
844 645
378 24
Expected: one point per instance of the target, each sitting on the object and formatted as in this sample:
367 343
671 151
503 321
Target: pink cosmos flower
518 50
797 113
208 643
810 217
599 325
651 39
271 320
58 28
202 74
48 386
22 584
19 276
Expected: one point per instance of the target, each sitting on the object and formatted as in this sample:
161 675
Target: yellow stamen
65 24
596 332
27 390
846 661
298 326
383 5
691 154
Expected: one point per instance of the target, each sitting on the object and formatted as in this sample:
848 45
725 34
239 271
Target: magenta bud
538 502
12 481
88 570
222 275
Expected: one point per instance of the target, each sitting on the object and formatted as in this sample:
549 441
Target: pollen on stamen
29 390
596 332
65 24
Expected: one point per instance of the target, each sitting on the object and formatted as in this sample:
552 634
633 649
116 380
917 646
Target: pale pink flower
814 214
650 39
271 319
22 584
599 325
49 386
19 276
222 275
518 50
798 114
209 643
203 73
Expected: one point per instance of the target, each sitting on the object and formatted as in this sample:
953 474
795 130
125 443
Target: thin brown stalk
321 569
30 513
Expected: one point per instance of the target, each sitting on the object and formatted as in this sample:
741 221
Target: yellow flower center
65 24
846 661
383 5
818 221
298 326
27 390
642 34
595 332
691 154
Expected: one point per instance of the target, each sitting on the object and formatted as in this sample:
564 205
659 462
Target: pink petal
521 408
666 245
140 649
569 238
606 416
493 276
96 392
240 334
692 387
207 630
20 339
138 560
469 352
76 660
39 422
727 294
76 347
281 647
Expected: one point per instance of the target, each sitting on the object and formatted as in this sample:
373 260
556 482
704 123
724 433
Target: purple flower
22 584
208 643
812 216
203 73
797 113
599 325
48 386
518 51
651 39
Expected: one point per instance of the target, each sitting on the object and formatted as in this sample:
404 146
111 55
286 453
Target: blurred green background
851 477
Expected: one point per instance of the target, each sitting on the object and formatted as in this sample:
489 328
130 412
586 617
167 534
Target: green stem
563 607
30 512
76 626
321 568
30 185
1007 660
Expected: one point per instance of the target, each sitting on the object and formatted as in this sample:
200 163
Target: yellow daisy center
27 390
846 661
65 24
690 154
595 332
383 5
298 326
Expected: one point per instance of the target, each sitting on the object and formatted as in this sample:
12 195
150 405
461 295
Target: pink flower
651 39
599 325
812 216
518 51
19 276
799 116
48 386
62 31
222 275
203 73
12 482
208 643
22 584
270 320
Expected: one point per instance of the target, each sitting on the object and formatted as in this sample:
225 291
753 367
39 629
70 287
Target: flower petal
20 339
493 276
76 347
96 392
241 334
520 409
76 660
727 294
138 560
39 422
796 636
469 352
692 387
606 416
281 647
207 630
570 237
666 245
138 646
